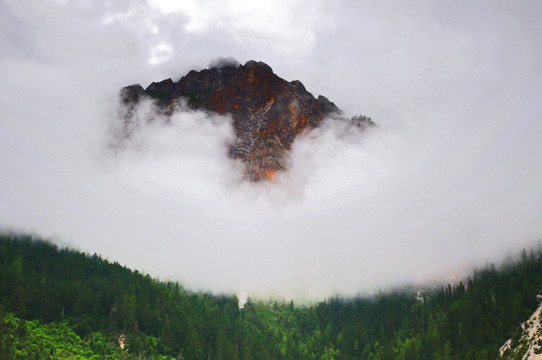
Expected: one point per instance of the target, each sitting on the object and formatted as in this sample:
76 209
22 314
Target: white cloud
160 53
449 179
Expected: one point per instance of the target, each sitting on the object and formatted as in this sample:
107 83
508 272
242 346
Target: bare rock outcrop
268 112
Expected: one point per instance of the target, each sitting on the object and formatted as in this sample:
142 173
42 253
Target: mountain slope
100 302
268 112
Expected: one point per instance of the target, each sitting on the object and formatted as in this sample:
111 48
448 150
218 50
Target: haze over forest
448 180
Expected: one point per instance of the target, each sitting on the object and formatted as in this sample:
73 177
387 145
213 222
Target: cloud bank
450 178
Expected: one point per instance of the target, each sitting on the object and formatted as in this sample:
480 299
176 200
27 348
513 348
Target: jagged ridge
268 112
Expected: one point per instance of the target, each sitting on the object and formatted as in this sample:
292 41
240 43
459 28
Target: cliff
268 112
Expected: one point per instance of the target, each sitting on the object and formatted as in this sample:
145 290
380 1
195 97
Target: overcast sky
450 179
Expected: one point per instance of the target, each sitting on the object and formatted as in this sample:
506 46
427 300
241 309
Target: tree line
53 300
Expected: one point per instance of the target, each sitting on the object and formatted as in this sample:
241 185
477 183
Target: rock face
268 112
526 344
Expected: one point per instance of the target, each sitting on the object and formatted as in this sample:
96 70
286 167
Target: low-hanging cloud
447 180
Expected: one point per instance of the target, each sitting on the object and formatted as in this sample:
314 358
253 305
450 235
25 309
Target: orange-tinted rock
268 112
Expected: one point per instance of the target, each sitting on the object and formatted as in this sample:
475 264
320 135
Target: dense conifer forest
59 303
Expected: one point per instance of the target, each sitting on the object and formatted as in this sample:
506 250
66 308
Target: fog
448 180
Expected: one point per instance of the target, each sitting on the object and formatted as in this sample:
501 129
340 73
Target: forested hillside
59 303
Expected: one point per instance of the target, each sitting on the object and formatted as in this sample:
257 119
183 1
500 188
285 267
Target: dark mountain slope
102 301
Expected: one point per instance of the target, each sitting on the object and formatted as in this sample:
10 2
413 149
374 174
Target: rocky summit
268 112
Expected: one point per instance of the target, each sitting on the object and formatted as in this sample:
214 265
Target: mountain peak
268 112
252 64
